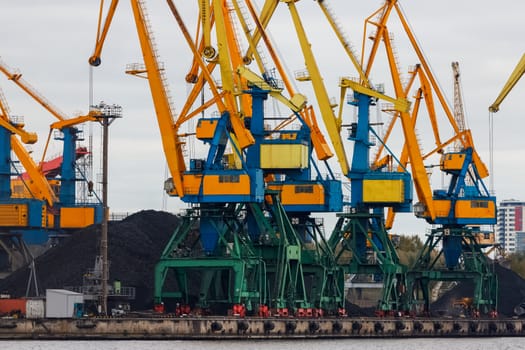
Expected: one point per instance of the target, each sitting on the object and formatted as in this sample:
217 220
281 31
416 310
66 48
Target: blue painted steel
333 194
452 250
459 190
253 155
360 158
34 236
208 233
67 172
255 195
5 164
218 143
99 213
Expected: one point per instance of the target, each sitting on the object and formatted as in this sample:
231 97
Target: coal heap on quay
511 292
136 243
134 247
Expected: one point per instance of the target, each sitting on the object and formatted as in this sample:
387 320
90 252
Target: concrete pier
255 328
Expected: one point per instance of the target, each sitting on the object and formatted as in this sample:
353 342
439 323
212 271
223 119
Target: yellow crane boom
517 73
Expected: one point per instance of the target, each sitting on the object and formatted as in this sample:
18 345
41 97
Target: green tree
408 249
517 263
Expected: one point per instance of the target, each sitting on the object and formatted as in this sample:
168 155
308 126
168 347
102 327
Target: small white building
60 303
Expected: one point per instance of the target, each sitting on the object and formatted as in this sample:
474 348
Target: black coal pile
511 292
135 245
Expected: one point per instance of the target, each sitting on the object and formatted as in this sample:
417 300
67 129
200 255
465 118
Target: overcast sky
50 42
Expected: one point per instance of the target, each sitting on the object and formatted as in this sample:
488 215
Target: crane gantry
456 211
254 187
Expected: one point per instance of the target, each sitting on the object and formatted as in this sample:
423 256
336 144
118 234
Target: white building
510 221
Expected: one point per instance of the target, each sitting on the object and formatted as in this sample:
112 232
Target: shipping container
28 308
35 308
60 303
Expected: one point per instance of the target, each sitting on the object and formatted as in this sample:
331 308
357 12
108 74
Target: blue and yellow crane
248 242
57 209
457 211
385 180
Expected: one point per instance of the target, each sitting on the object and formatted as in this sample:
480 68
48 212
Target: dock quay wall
255 328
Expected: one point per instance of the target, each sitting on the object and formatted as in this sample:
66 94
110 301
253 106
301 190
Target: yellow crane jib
25 136
400 104
296 103
91 116
515 76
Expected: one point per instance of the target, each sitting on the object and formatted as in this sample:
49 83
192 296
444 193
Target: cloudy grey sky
50 42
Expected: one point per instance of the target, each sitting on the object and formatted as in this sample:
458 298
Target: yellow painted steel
419 174
296 194
38 186
400 104
284 156
91 116
288 136
332 124
383 191
321 147
441 208
452 161
296 103
25 136
102 32
16 77
13 215
515 76
226 184
206 128
464 209
265 15
50 217
475 209
170 140
346 45
192 183
205 14
77 217
232 160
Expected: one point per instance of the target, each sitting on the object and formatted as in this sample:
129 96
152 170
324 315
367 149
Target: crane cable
491 152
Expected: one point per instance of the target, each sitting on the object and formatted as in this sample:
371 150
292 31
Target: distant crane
459 111
63 210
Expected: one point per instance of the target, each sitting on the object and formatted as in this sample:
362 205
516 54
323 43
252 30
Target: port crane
59 210
456 211
514 77
360 230
228 217
243 242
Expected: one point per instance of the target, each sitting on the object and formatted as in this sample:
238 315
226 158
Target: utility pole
108 115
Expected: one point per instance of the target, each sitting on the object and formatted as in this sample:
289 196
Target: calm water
347 344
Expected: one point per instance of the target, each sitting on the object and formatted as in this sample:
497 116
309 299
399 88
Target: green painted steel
473 266
275 267
352 231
